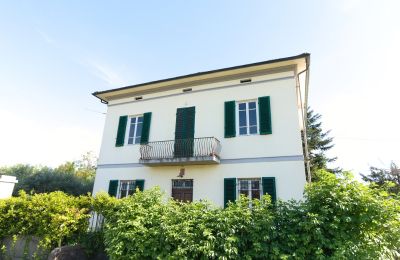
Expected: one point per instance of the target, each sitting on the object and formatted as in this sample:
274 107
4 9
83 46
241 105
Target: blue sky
54 54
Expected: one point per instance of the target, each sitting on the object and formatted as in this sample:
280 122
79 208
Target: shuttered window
230 119
146 128
184 132
113 188
265 119
184 125
229 190
124 188
269 187
121 131
133 129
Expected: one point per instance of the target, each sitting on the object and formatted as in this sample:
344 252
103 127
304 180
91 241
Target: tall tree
319 143
383 177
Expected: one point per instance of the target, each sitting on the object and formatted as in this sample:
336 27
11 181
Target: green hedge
339 219
53 217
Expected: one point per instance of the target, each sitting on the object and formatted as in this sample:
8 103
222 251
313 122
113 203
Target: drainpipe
304 112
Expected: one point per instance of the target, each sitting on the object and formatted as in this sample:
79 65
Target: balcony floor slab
181 161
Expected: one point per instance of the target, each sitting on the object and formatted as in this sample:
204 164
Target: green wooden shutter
180 126
229 190
140 185
230 122
121 131
113 188
268 184
144 139
264 115
184 132
190 121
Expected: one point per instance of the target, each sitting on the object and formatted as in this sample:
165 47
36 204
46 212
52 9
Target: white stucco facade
279 154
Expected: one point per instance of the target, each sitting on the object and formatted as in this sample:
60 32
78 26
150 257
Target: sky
54 54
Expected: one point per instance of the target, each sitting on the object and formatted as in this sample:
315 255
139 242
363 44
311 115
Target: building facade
210 135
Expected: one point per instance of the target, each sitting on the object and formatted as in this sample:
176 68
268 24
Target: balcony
203 150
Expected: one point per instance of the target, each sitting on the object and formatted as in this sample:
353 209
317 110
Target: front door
184 132
182 190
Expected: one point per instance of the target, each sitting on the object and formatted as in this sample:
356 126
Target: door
182 190
184 132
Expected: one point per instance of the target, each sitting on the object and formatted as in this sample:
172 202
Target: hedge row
339 218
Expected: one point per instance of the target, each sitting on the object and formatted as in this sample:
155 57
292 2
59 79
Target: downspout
304 112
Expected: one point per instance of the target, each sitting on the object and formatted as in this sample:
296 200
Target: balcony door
184 132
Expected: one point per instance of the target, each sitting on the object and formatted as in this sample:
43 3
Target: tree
75 178
49 180
385 178
86 166
318 143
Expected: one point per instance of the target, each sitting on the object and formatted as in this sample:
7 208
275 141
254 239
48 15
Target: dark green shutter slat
113 188
265 121
229 190
121 131
269 187
144 139
230 122
140 185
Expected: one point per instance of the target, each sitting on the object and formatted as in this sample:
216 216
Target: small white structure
212 135
7 185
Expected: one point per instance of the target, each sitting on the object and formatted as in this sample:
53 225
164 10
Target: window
248 117
134 129
250 188
126 188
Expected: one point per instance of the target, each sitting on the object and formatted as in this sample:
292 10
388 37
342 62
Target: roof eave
102 94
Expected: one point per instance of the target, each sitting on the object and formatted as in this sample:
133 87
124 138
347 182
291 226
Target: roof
107 95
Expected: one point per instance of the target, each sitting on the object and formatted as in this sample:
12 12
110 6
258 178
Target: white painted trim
223 161
202 90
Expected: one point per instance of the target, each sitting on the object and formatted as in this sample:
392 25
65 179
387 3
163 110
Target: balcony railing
203 150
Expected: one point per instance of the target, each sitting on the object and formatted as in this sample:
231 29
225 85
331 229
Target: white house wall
279 154
208 180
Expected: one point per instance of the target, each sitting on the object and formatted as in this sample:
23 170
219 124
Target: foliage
54 217
75 178
340 218
50 180
388 179
318 143
85 168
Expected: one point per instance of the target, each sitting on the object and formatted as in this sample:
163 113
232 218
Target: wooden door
182 190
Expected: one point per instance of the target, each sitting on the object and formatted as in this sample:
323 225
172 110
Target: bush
56 218
340 218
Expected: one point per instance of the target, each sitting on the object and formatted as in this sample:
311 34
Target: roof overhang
299 63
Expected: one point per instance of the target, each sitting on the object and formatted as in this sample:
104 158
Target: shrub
54 217
339 218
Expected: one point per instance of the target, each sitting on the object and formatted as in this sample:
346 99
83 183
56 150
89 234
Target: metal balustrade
192 150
